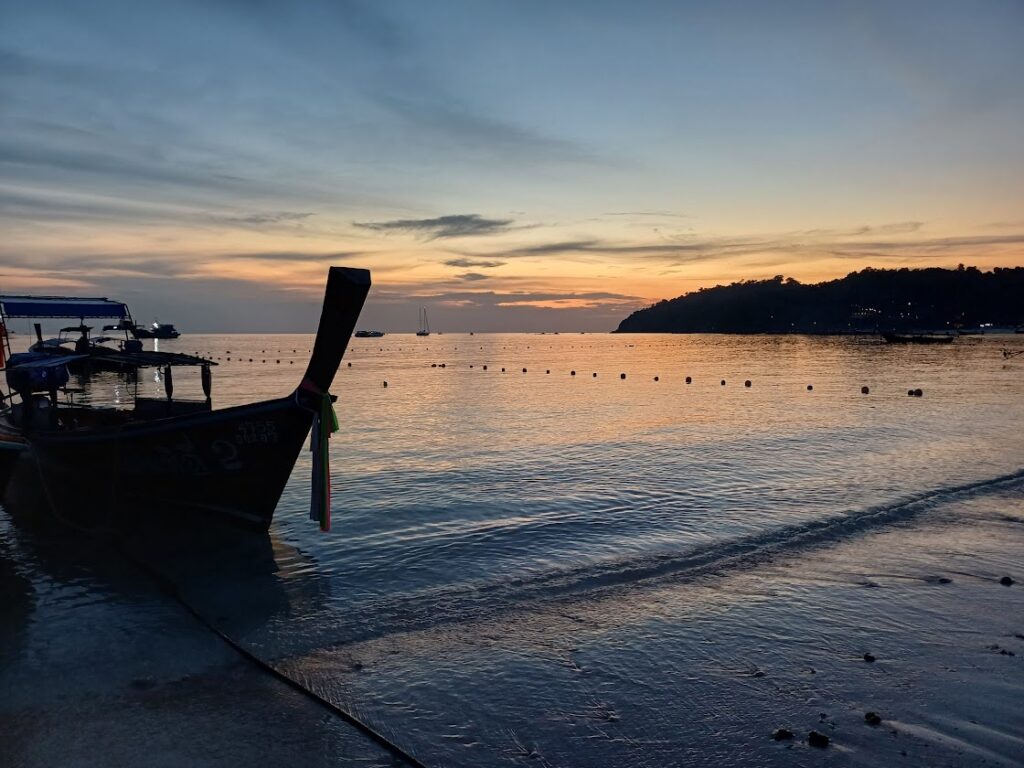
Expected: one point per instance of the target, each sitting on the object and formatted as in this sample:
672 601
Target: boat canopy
147 359
37 361
61 306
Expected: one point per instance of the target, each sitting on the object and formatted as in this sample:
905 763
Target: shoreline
780 645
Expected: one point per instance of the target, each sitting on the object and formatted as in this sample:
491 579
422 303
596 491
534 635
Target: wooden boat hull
230 463
12 448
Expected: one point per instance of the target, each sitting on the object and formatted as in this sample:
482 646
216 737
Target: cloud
472 276
654 214
464 263
788 246
53 205
550 249
291 256
505 299
438 118
138 166
897 228
456 225
257 219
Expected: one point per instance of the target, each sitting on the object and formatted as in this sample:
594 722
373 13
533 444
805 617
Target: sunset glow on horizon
512 166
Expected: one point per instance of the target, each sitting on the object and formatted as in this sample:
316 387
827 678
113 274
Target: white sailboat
424 329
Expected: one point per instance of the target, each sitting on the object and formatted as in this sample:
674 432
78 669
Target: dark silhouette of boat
368 334
424 326
918 338
156 331
167 456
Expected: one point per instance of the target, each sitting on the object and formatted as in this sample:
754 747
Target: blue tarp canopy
61 306
33 360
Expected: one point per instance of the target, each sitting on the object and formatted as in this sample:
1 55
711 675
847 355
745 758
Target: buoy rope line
169 588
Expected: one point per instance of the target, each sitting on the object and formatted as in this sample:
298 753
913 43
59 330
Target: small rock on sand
782 734
868 658
816 739
872 718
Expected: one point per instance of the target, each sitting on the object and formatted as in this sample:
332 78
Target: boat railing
147 408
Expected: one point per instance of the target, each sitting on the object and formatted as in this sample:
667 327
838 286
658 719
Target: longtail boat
167 456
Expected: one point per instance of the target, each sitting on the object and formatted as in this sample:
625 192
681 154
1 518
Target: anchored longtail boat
166 455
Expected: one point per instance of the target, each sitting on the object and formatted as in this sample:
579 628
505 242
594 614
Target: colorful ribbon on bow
325 422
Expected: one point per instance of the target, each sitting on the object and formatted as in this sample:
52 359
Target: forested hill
866 301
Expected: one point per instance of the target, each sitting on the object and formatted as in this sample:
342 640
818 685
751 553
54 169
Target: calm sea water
529 567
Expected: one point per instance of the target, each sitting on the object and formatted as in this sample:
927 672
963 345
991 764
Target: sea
632 550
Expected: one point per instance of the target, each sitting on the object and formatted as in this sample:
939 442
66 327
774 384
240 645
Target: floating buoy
548 371
918 393
485 367
264 361
746 383
385 385
688 380
910 393
502 370
595 375
723 382
524 370
443 365
622 375
350 365
470 365
229 359
864 390
572 373
810 387
250 359
432 365
278 362
655 378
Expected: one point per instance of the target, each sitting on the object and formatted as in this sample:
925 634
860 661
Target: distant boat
424 329
156 331
368 334
918 338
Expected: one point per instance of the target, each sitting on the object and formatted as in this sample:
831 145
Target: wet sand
99 667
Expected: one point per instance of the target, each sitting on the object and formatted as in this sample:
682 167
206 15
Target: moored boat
166 456
368 334
156 331
424 324
918 338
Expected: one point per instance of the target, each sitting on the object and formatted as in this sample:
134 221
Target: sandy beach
100 667
766 640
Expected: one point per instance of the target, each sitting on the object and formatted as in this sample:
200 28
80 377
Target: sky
512 166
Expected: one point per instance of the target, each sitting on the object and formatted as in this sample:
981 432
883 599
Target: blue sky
513 166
